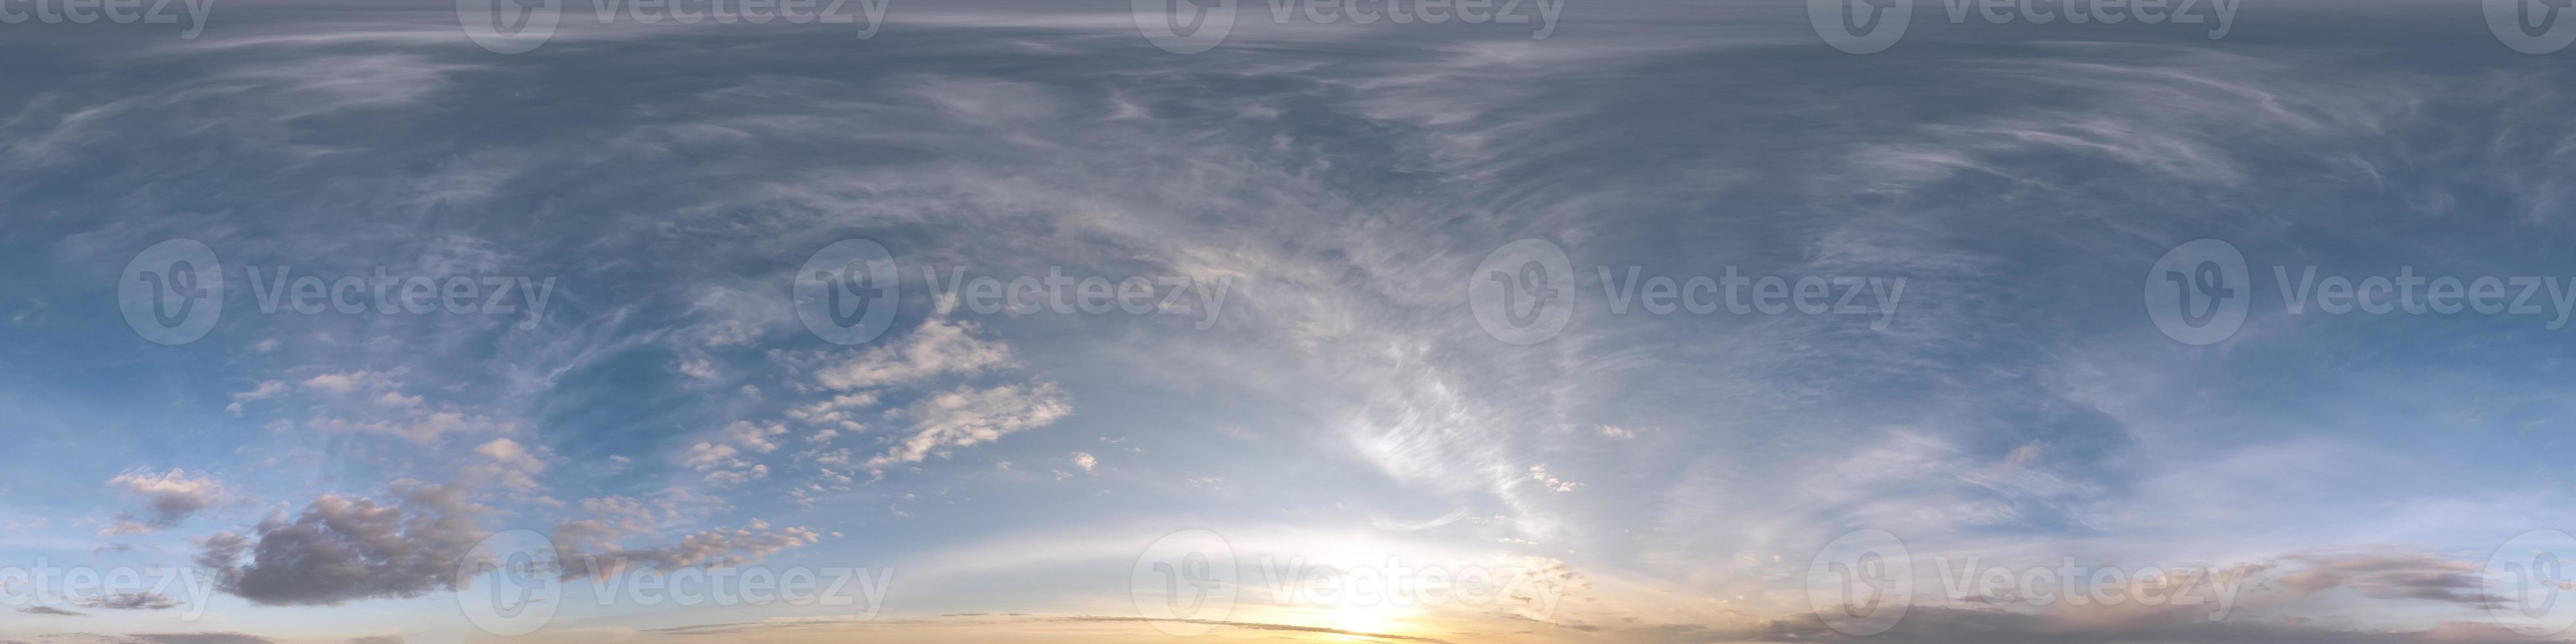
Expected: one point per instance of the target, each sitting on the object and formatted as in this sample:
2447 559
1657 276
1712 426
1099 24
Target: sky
1089 321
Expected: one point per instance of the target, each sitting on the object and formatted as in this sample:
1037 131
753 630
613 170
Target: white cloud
966 416
938 347
754 437
723 464
511 465
265 389
341 383
1550 481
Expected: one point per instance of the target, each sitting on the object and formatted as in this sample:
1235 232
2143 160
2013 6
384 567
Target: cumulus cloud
835 412
342 549
169 498
1550 481
938 347
723 464
509 464
753 436
264 390
967 416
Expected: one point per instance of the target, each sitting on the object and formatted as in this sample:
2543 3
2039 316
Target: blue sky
1323 198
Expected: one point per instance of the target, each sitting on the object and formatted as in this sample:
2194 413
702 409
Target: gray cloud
129 601
169 498
195 638
587 548
49 610
342 549
2391 575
